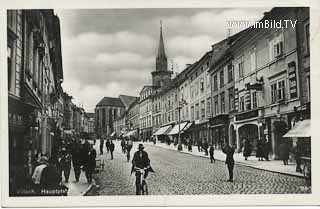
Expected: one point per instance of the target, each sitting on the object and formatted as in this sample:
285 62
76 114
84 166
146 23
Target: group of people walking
262 151
109 146
49 171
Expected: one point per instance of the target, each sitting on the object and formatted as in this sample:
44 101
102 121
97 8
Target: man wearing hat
141 160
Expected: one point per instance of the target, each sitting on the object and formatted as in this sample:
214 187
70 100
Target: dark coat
211 150
284 151
260 149
91 160
247 148
50 177
111 147
229 151
141 160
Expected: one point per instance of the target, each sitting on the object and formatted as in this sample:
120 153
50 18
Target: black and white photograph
159 101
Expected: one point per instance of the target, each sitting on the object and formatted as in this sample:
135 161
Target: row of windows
222 77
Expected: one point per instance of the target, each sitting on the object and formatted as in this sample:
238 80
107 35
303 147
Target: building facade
35 75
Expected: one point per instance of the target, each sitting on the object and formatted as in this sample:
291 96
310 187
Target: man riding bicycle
140 162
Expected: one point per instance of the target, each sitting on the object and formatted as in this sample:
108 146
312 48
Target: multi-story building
133 119
266 81
200 98
145 106
34 84
109 109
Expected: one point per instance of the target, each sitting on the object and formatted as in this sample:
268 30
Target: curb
238 163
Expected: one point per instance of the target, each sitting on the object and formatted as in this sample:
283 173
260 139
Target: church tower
161 74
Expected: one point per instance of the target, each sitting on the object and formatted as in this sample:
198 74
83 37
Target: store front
200 132
219 130
246 126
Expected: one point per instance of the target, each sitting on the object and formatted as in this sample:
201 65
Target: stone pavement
184 174
272 165
77 188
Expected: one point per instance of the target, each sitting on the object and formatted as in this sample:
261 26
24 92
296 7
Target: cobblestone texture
183 174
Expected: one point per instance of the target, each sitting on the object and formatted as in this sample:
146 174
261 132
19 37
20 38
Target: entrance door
249 132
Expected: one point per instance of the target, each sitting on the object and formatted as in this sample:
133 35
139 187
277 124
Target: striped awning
163 130
301 129
175 129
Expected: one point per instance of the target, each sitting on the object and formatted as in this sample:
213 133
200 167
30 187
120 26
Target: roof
90 114
111 101
127 100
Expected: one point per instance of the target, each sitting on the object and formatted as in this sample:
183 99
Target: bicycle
141 184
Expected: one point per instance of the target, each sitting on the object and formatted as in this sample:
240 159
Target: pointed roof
127 100
161 52
110 101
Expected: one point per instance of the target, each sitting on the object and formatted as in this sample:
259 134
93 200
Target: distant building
107 110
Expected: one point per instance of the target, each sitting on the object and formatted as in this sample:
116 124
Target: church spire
161 62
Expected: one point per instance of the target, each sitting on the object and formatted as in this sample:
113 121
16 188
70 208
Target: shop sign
247 115
221 119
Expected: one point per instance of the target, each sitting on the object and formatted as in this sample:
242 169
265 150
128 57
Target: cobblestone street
178 173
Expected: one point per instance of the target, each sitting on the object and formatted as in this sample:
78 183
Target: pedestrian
199 143
211 151
51 176
284 152
259 153
297 155
190 146
108 145
266 150
36 177
123 144
65 163
90 163
205 147
76 159
111 148
101 146
229 151
247 149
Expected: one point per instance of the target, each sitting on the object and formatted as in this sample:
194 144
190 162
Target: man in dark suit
111 148
229 151
141 161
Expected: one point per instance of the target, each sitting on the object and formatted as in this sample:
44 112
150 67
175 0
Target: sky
108 52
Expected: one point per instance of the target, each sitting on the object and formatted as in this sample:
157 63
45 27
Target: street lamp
180 105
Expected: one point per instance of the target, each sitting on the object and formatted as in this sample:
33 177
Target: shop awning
131 133
163 130
175 129
301 129
186 127
113 133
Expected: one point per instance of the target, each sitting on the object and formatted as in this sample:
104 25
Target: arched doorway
249 132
